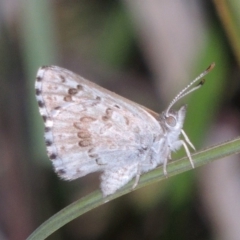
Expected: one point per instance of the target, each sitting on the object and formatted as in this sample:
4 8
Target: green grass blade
95 199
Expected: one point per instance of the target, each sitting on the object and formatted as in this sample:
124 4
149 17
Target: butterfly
90 129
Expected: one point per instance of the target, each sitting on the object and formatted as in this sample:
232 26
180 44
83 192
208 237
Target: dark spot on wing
45 66
40 104
84 134
47 129
85 143
63 79
105 118
87 119
127 120
38 91
67 98
44 118
93 155
39 79
57 108
91 150
77 125
98 161
48 143
79 87
108 114
72 91
53 156
61 172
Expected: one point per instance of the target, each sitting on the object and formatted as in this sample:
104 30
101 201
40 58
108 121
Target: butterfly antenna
186 90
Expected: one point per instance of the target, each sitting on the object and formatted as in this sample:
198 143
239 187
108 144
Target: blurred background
143 50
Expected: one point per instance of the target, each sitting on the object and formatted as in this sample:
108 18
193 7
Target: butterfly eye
171 121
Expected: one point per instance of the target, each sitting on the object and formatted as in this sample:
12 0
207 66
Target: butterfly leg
180 143
165 161
137 176
177 145
148 165
187 139
188 152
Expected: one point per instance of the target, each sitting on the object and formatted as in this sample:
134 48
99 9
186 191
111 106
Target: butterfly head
173 120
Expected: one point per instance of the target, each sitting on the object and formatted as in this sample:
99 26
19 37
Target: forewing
88 128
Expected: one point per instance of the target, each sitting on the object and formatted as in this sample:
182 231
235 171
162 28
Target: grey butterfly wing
88 128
